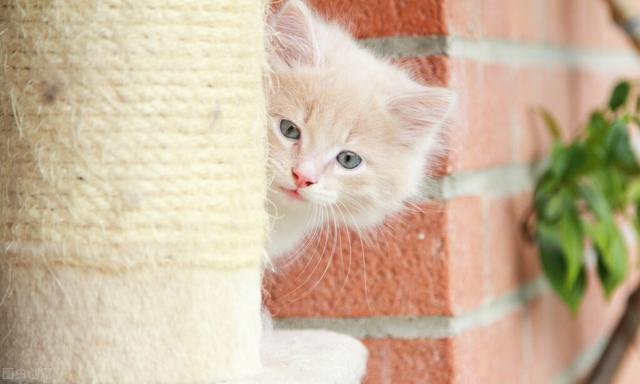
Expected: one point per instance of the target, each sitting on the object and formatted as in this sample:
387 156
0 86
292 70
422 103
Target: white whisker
364 262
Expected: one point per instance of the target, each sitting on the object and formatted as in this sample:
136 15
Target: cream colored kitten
349 133
349 138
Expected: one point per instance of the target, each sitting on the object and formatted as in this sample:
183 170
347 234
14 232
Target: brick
512 19
513 260
597 314
483 117
468 284
629 370
583 23
492 354
534 140
589 24
532 344
569 95
505 19
542 87
460 359
560 336
402 270
367 18
423 263
464 18
479 18
556 28
592 90
527 20
494 18
553 334
409 361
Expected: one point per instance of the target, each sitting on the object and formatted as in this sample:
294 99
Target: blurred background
457 290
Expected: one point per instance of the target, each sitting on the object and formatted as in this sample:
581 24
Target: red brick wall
451 292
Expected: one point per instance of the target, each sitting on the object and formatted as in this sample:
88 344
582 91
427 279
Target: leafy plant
590 183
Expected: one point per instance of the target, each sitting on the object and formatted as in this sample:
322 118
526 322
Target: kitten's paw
312 357
309 357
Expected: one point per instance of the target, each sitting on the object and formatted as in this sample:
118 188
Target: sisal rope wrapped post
131 189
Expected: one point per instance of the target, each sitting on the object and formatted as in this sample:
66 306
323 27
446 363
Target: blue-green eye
349 159
289 129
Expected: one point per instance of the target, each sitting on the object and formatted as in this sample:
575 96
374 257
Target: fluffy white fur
309 357
342 97
312 357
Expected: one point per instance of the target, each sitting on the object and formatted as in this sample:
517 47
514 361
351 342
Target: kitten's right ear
294 38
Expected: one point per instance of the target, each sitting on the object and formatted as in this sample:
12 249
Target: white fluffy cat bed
131 197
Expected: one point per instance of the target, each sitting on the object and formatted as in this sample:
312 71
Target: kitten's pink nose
301 179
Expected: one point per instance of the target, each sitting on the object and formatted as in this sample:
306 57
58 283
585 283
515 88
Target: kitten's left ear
421 111
294 37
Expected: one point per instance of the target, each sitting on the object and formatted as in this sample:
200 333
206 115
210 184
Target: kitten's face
346 130
331 144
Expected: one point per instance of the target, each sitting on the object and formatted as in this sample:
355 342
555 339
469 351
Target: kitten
349 134
349 137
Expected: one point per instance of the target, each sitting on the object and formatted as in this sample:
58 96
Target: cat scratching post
131 190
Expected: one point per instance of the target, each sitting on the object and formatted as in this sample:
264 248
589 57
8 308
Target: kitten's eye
349 159
289 129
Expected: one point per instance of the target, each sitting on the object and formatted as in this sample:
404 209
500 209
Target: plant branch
627 17
619 344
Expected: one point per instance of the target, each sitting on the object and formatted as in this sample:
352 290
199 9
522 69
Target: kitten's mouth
293 193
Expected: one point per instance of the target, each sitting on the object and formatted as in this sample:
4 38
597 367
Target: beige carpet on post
131 189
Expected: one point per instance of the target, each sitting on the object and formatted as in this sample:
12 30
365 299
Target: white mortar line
584 361
406 46
423 326
497 181
522 53
511 52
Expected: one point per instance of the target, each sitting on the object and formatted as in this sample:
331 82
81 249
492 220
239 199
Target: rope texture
131 133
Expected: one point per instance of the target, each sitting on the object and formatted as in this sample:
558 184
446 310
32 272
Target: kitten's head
346 129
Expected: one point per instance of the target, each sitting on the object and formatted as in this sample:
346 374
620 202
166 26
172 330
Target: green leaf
572 244
609 278
612 184
554 265
636 218
596 201
544 191
619 95
569 162
552 125
618 148
556 206
607 240
597 128
574 295
633 190
612 254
